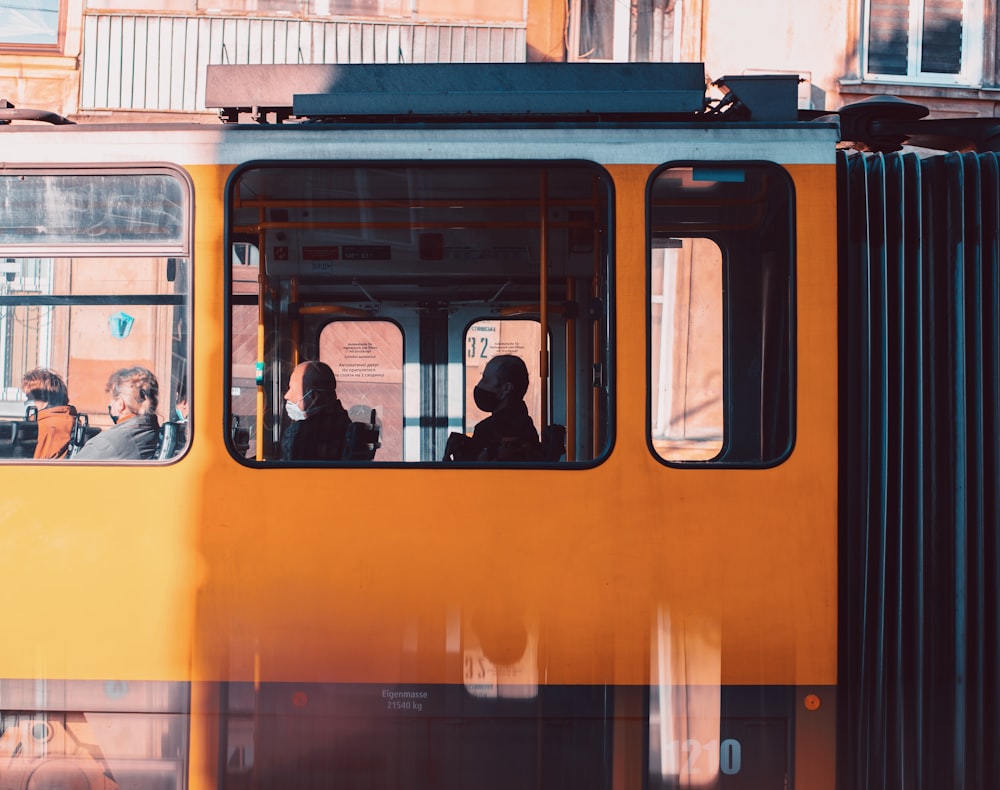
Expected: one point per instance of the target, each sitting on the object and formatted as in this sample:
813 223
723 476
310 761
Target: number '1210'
695 758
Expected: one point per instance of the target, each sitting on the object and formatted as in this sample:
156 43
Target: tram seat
242 435
81 434
362 440
553 441
171 440
18 438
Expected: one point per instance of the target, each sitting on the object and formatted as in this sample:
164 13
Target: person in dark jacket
47 392
319 425
508 434
134 395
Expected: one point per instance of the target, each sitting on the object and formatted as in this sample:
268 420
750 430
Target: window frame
972 55
180 247
729 328
412 347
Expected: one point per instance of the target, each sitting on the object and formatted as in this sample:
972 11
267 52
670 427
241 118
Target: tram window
406 263
94 278
721 296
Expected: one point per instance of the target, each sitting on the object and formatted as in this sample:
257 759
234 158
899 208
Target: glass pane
367 359
686 343
245 269
29 22
493 10
941 49
380 270
888 37
597 28
92 210
82 320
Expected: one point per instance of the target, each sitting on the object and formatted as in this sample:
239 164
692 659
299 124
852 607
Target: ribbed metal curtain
150 62
919 703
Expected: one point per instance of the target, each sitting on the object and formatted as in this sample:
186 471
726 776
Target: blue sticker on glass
121 324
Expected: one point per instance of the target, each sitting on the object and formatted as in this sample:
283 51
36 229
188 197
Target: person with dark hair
134 396
319 425
508 434
46 391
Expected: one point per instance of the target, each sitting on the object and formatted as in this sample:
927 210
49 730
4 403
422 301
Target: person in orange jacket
46 390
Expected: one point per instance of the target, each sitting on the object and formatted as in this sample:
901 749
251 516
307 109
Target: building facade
88 59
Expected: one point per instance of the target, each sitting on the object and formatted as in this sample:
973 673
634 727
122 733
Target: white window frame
620 35
971 73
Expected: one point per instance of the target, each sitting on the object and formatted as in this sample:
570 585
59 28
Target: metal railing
150 62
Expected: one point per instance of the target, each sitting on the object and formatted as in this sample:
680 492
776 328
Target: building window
29 23
928 41
635 31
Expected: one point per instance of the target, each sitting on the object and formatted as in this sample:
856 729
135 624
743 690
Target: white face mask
294 412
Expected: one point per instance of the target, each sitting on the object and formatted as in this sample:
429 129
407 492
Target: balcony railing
146 62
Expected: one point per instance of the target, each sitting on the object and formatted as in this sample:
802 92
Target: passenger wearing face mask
47 394
319 425
508 434
134 394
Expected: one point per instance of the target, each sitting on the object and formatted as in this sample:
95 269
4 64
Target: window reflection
113 735
686 338
500 656
30 22
686 703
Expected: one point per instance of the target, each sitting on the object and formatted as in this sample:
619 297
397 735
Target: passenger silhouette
508 434
319 422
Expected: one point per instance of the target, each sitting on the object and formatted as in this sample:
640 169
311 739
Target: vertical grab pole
595 293
260 366
570 376
293 298
543 296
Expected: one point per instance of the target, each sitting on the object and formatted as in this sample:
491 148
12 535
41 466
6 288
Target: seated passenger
181 402
319 421
134 395
508 434
46 391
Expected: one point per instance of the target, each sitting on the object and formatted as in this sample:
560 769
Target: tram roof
473 91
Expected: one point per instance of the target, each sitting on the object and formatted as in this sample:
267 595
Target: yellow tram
652 604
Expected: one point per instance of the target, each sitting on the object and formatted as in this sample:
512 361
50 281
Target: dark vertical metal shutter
920 447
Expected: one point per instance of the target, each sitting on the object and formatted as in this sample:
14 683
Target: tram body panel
569 559
297 582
